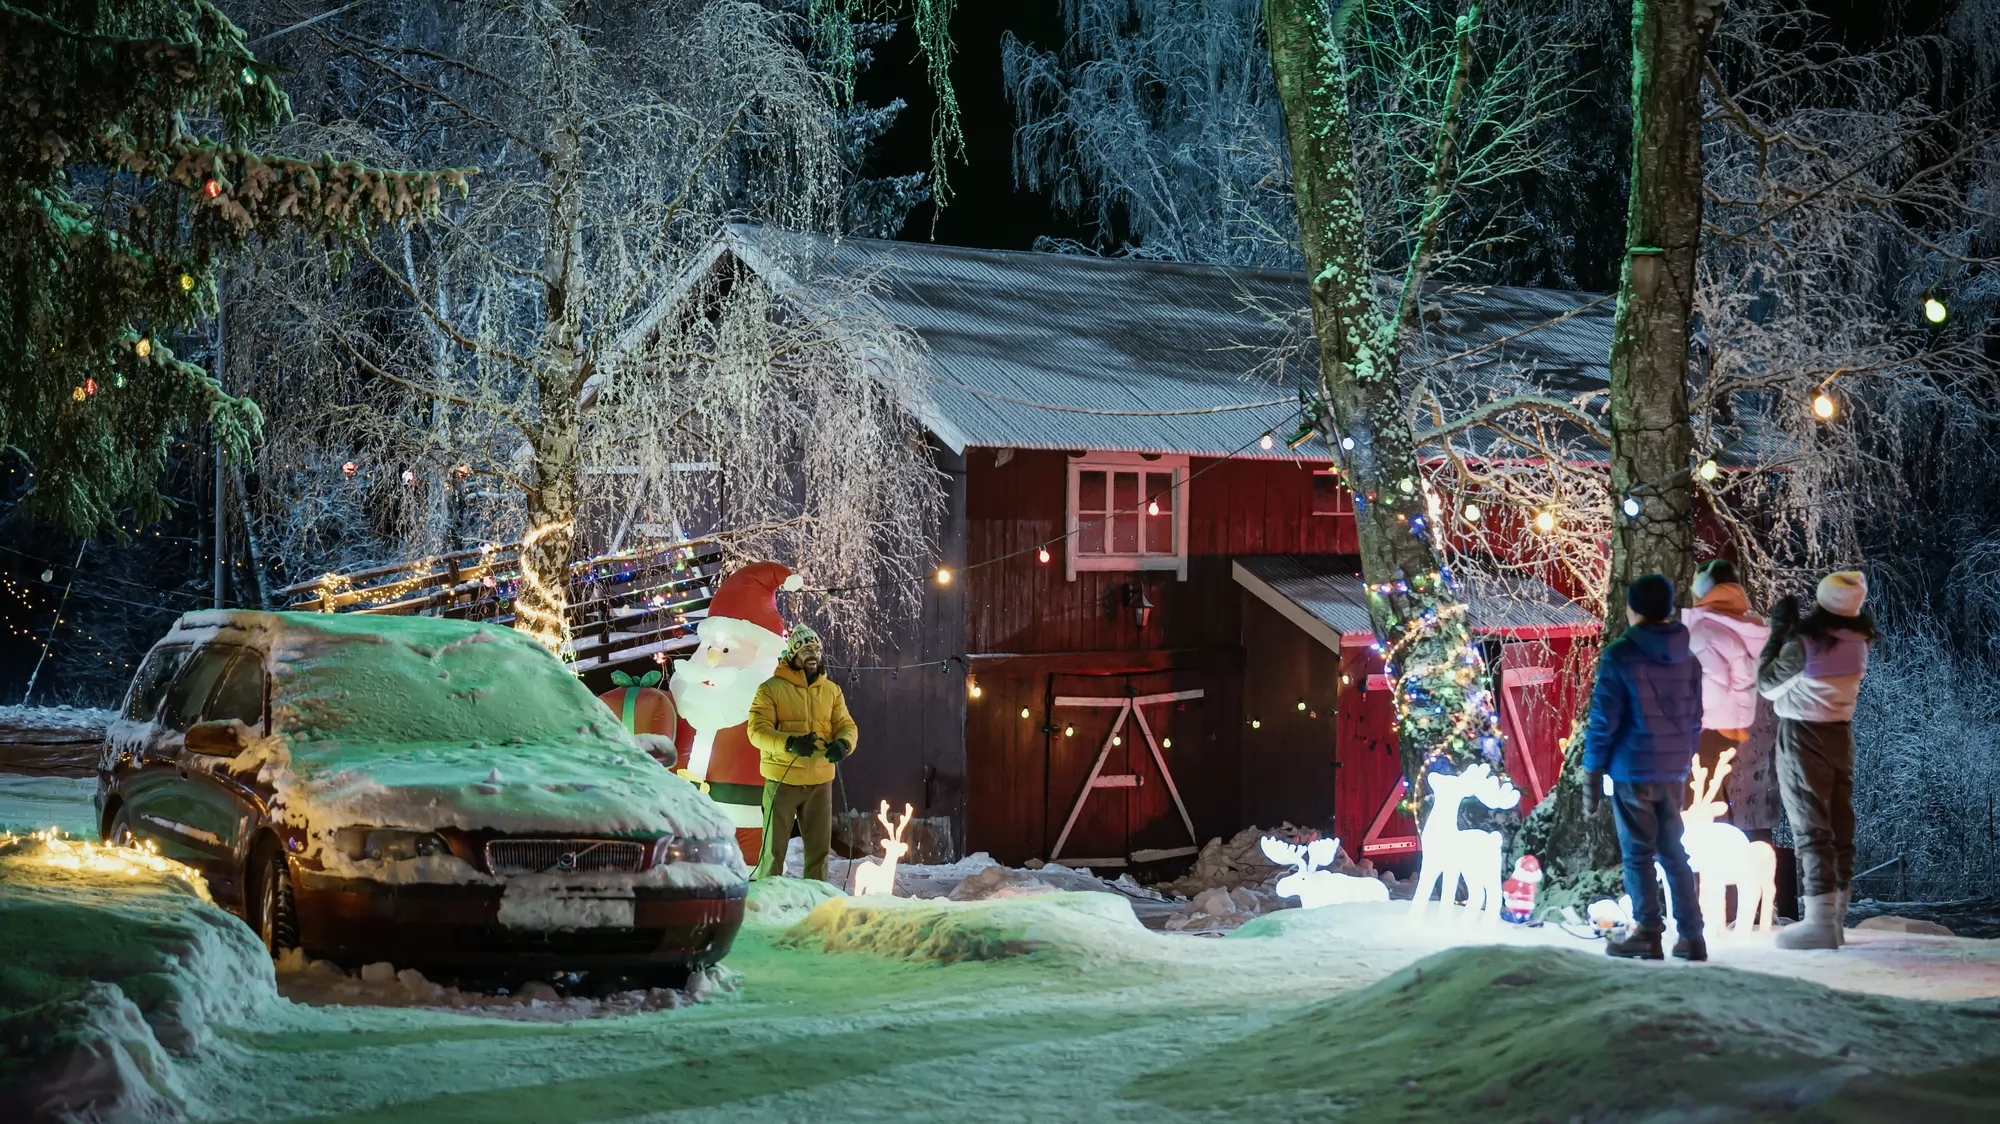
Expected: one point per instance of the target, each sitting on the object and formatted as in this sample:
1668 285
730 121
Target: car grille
564 856
588 942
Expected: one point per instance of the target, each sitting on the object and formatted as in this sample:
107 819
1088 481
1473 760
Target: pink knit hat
1842 592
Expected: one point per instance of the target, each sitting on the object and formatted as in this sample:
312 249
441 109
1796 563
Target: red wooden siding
1078 638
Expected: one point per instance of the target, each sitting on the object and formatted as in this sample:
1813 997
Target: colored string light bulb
1265 442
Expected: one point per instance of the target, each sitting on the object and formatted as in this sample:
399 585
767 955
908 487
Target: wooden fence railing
624 607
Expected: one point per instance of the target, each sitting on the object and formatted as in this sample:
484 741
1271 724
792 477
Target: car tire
277 914
118 832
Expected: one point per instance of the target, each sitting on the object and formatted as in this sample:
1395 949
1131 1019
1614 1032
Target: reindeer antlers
895 832
1708 788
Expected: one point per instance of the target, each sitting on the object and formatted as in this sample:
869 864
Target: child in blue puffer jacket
1645 720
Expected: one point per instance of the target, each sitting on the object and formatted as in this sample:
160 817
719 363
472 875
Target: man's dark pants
1648 815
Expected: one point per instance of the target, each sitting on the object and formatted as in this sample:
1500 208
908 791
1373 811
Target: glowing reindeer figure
1450 854
1723 856
1315 887
880 877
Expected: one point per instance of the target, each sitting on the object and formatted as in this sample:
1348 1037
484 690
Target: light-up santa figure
741 641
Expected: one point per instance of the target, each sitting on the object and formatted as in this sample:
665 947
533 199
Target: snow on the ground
115 967
1046 1005
51 740
29 804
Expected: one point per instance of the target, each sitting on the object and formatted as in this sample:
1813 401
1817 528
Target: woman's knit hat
1842 592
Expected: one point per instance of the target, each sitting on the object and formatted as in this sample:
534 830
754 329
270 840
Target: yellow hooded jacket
786 705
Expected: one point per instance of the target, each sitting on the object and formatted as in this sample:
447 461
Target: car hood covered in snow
424 723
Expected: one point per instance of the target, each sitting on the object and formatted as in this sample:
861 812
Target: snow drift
1531 1033
111 976
1057 927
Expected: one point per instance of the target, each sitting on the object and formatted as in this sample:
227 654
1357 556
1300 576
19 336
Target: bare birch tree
616 141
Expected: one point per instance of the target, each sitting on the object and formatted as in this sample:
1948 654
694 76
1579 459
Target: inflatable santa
713 688
647 713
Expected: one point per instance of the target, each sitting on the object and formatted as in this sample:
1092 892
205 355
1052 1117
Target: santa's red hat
751 594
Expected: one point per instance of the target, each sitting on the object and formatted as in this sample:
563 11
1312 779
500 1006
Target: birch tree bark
1420 621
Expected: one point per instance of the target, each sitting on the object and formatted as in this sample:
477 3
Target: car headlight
721 851
388 844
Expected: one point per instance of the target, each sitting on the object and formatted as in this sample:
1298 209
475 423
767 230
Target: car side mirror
217 739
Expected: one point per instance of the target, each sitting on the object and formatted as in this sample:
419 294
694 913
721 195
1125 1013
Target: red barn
1157 634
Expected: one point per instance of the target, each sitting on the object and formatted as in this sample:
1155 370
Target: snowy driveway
1050 1007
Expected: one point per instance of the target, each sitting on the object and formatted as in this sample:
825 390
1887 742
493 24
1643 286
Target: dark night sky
987 211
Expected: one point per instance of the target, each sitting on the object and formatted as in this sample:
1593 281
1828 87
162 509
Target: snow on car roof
361 678
426 722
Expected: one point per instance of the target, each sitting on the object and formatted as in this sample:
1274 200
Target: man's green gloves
802 744
837 749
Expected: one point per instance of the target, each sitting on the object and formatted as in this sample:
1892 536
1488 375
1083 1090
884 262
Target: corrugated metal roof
1327 589
1122 334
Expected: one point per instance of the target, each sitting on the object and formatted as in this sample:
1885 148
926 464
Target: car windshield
415 680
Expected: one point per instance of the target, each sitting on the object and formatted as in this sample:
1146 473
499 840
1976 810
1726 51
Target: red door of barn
1537 701
1120 751
1368 785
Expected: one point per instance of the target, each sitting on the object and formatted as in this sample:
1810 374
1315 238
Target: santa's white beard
721 706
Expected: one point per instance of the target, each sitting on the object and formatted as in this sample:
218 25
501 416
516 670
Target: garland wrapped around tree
114 213
1445 712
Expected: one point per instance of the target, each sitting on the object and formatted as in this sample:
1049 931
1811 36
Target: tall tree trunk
542 607
1651 439
1419 619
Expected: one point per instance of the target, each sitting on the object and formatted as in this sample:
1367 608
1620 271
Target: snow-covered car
429 792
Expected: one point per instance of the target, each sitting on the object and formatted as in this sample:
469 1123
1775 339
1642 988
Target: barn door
1113 796
1368 787
1531 718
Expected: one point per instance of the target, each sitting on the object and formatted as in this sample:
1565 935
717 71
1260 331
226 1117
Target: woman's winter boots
1820 927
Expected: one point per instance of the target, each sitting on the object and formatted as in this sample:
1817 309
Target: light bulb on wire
1709 470
1823 406
1935 311
1472 513
1264 442
1545 521
1631 507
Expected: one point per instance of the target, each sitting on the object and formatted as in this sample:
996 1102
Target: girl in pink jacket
1726 637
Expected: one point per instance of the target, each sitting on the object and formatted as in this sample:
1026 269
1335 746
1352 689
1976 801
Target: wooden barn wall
912 720
1288 760
1032 634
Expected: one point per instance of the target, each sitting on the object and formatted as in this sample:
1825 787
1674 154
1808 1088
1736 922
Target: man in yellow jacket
800 726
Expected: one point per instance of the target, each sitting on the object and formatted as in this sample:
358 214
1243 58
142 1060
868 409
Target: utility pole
221 551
